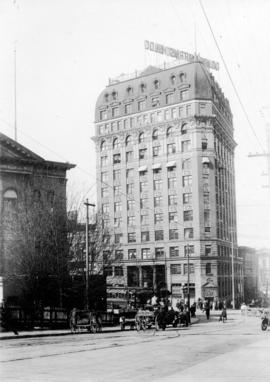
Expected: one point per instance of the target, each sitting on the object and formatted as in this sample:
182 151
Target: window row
143 119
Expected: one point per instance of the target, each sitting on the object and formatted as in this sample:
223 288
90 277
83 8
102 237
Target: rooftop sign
179 54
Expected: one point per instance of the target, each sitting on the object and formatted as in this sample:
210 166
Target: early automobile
85 319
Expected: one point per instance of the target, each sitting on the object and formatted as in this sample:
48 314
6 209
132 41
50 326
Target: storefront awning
142 168
205 160
171 164
156 166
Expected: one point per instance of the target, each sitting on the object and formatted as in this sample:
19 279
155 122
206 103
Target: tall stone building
166 183
32 197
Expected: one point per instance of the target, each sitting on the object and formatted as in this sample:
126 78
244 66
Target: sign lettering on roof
179 54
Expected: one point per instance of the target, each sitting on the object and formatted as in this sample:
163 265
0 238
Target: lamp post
87 253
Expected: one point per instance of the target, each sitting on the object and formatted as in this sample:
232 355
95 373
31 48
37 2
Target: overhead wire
230 77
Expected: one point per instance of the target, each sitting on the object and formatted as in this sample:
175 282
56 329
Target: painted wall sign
179 54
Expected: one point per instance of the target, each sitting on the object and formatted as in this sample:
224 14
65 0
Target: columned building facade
166 187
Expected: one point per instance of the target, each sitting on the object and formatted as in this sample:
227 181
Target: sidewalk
61 332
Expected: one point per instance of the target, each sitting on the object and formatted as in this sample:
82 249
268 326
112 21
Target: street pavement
208 351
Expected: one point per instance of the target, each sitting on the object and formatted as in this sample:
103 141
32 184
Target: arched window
114 95
155 135
128 140
106 97
103 146
116 143
142 87
156 84
129 91
184 129
173 79
9 200
186 164
170 131
182 77
141 137
208 268
36 195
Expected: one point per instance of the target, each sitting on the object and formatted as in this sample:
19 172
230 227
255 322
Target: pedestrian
207 310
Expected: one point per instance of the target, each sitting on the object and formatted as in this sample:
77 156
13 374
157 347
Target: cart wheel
264 326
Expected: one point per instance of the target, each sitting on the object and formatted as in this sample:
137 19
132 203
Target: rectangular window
176 269
172 200
115 111
105 223
171 148
188 216
116 158
105 208
173 217
129 156
118 238
146 254
167 115
207 229
174 113
188 233
187 180
104 161
144 203
159 235
206 197
204 144
108 271
174 251
132 237
208 249
104 192
188 110
173 234
186 146
159 116
131 221
158 201
202 109
184 95
207 217
158 218
155 101
189 250
104 176
130 188
116 174
103 114
187 198
132 254
169 98
144 219
117 206
118 271
119 255
128 108
118 222
142 153
159 253
145 236
172 182
157 184
156 151
130 204
130 173
143 186
141 105
191 268
117 190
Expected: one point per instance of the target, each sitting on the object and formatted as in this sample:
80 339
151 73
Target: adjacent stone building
166 183
28 184
251 273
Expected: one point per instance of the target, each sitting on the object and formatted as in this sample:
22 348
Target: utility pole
15 92
87 254
233 291
188 282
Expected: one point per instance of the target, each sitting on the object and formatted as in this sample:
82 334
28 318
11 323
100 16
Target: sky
66 50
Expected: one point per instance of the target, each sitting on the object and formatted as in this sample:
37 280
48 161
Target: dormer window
173 79
114 95
142 88
129 91
156 84
182 77
106 97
